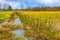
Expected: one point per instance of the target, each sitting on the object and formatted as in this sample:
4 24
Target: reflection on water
17 22
19 32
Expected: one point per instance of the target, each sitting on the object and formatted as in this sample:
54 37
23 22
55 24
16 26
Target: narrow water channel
19 31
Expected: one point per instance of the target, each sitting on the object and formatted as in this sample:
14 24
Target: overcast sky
31 3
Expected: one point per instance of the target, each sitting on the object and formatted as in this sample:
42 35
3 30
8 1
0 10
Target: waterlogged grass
44 22
4 15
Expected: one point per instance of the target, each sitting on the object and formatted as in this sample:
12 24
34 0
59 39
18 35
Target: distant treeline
42 9
57 8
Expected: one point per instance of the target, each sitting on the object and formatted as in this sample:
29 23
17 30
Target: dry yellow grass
44 14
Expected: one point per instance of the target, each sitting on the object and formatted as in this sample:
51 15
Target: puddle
18 22
19 32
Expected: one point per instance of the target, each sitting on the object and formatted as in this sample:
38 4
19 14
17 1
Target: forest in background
43 8
36 9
